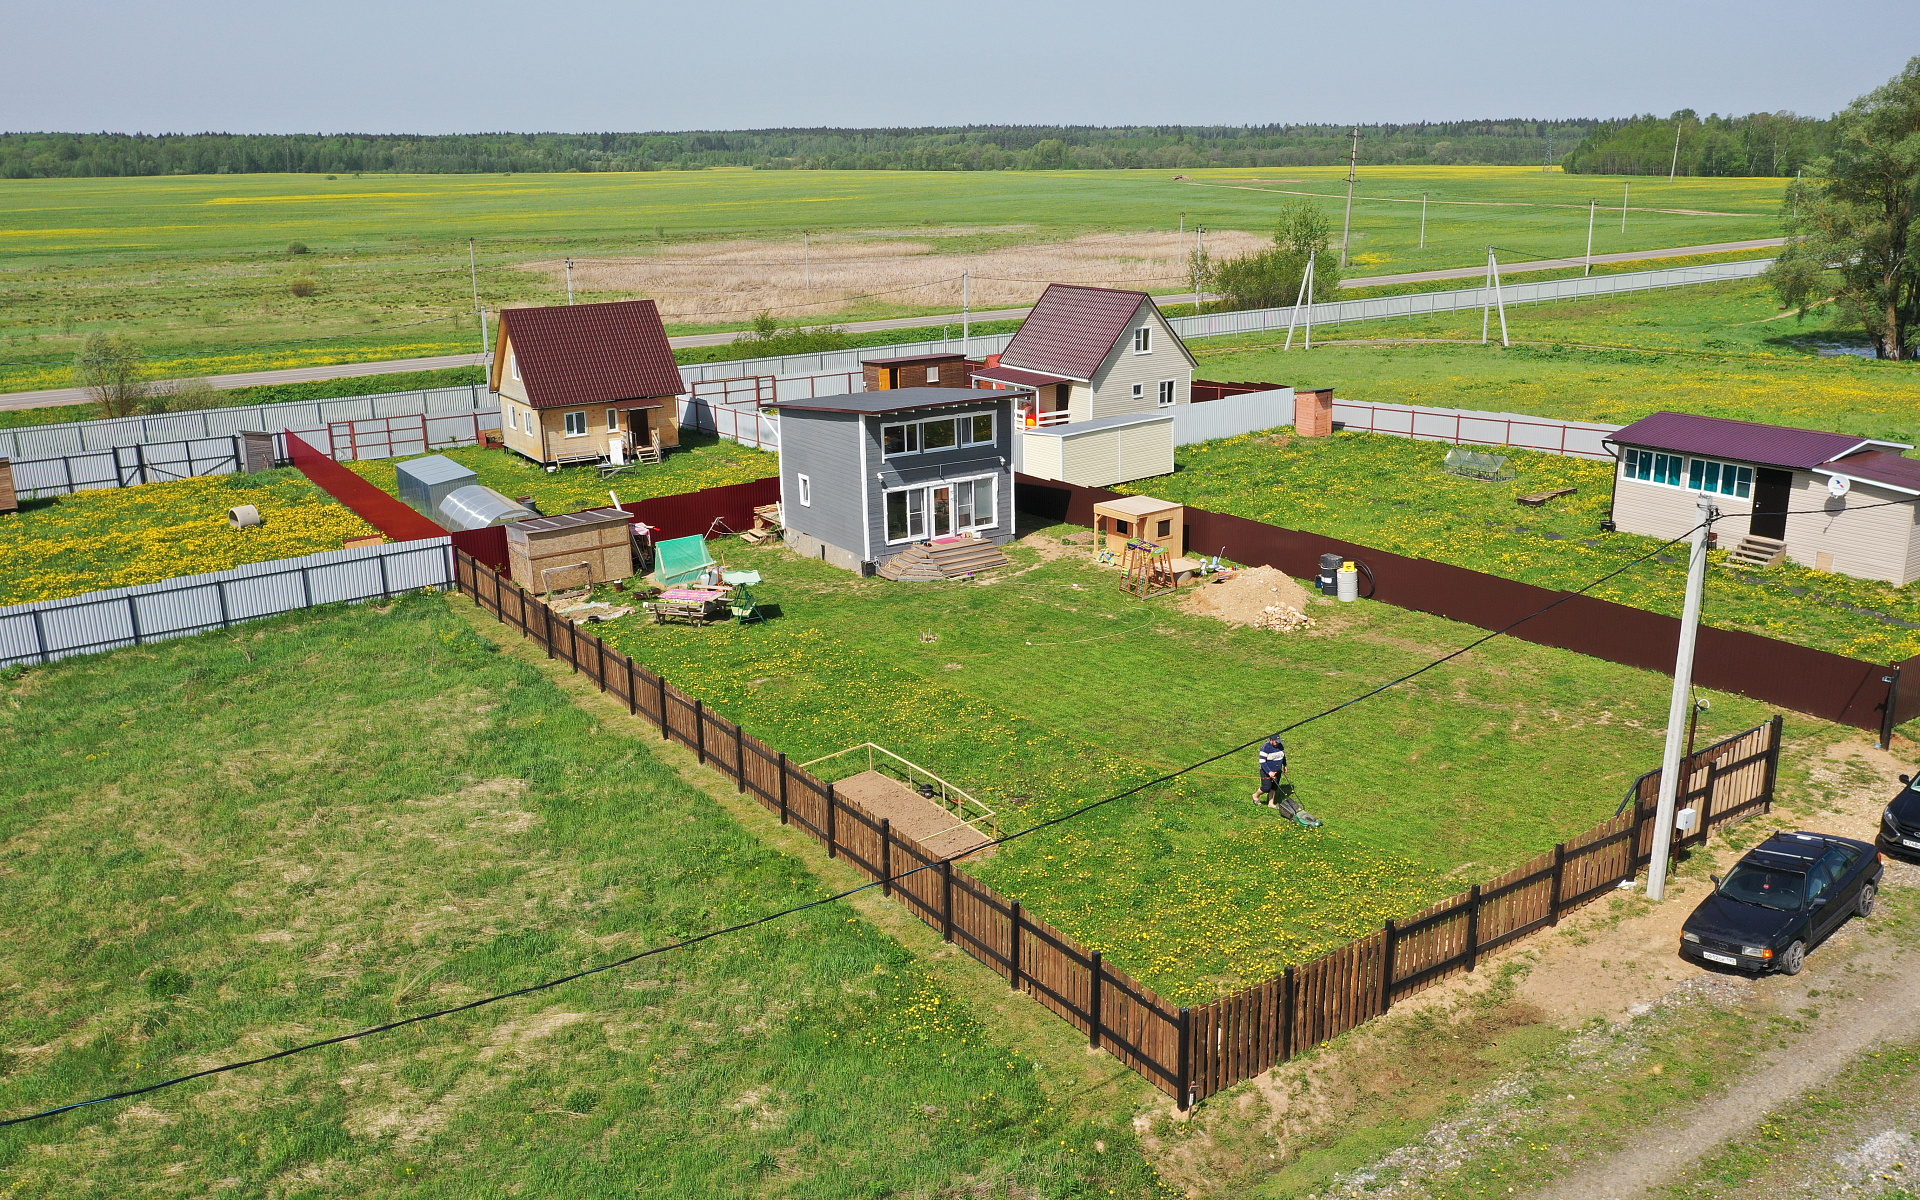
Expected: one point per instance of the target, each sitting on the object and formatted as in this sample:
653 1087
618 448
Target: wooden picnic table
694 605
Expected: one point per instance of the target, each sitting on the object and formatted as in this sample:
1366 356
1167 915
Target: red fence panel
374 506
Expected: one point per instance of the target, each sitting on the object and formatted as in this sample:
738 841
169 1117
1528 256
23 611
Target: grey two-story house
865 476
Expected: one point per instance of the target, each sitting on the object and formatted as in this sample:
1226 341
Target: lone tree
110 366
1271 278
1858 216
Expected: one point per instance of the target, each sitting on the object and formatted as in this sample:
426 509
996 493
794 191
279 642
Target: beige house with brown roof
1103 368
585 382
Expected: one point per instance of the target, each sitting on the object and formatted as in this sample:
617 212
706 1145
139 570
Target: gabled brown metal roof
1741 441
574 354
1072 329
1885 467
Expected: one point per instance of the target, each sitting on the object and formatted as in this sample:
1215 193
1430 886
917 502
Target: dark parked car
1785 896
1900 824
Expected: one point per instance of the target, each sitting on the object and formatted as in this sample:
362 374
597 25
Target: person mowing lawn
1274 791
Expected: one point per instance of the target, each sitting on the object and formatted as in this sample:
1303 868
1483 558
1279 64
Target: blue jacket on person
1273 758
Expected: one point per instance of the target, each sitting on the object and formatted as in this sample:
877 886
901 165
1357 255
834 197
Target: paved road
52 396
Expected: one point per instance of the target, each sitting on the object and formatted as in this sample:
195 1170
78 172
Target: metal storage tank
425 482
477 506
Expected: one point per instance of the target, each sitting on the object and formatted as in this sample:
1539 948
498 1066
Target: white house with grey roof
1102 369
866 476
1830 501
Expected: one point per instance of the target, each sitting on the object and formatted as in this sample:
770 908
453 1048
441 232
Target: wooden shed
9 502
1141 517
570 550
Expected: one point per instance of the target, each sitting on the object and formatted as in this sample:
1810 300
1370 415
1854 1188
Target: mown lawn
1393 493
66 545
228 844
702 462
1044 687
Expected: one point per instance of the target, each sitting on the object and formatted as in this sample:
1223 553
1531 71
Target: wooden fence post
700 730
833 803
1386 968
1183 1070
666 727
1773 759
573 646
886 857
946 899
1013 947
1473 928
739 758
1093 1003
633 689
1288 990
600 662
1559 877
783 788
546 628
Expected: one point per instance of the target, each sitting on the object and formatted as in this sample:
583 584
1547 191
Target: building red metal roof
1879 466
1015 375
1741 441
1072 329
572 354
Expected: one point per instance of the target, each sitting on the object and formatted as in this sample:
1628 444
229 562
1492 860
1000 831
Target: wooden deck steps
955 559
1755 552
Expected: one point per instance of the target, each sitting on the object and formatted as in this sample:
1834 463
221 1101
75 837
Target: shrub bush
302 287
297 248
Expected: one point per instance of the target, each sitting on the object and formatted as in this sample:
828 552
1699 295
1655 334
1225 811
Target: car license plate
1911 843
1728 959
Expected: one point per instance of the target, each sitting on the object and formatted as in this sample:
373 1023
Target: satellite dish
1838 486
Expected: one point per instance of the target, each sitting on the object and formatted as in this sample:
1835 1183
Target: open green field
1393 494
701 462
1043 687
119 537
224 845
197 266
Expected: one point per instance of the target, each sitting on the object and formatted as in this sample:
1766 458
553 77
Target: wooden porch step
1756 553
953 560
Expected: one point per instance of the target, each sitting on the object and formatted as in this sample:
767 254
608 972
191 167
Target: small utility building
865 476
1830 501
584 382
1104 370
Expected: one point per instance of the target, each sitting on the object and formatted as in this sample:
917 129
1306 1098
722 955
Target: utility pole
1593 206
1670 764
966 311
473 264
1625 190
1306 281
1423 220
806 248
569 281
1199 266
1353 160
1492 297
1674 169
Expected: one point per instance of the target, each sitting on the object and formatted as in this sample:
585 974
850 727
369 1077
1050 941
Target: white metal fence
50 629
1466 427
1231 416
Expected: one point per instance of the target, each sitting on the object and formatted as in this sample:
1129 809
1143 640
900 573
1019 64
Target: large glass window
940 509
1727 479
938 435
906 515
576 424
976 429
1655 468
899 439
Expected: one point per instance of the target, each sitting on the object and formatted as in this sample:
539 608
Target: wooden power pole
1353 159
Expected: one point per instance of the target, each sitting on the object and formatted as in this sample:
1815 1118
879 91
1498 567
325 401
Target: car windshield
1752 884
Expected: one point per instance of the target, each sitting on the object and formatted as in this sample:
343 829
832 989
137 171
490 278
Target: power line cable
683 943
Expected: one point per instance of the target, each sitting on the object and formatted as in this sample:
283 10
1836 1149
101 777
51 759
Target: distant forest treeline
970 148
1756 144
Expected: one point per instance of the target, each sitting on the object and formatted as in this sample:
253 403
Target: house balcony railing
1057 417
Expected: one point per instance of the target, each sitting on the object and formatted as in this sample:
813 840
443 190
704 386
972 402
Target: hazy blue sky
431 66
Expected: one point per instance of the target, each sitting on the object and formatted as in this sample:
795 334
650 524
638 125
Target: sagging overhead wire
696 939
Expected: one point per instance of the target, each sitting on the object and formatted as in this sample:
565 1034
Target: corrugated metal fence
133 616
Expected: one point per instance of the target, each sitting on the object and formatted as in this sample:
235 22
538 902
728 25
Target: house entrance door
1772 491
943 511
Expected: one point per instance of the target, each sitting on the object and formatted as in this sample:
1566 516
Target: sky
431 66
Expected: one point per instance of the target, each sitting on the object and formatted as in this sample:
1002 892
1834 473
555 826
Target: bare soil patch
1245 597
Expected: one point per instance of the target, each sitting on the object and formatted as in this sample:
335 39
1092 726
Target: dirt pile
1262 597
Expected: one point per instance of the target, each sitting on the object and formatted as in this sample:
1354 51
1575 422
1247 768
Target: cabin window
906 515
1167 387
938 435
513 364
1139 391
1727 479
933 374
1166 529
806 490
1652 467
976 429
1143 340
526 419
577 424
899 439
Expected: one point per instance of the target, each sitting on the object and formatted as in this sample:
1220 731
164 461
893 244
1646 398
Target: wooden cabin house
584 382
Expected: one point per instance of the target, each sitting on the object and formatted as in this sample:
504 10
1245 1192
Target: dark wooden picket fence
1187 1052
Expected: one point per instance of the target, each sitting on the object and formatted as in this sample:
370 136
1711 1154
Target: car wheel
1865 905
1794 958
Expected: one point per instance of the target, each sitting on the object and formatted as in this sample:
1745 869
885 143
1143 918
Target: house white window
806 490
1143 340
933 374
940 509
513 364
1167 388
940 433
1139 391
1728 479
1652 467
576 424
613 420
526 419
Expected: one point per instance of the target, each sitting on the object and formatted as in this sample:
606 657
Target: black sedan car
1785 896
1900 824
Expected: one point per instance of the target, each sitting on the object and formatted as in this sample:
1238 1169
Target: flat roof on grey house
895 400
